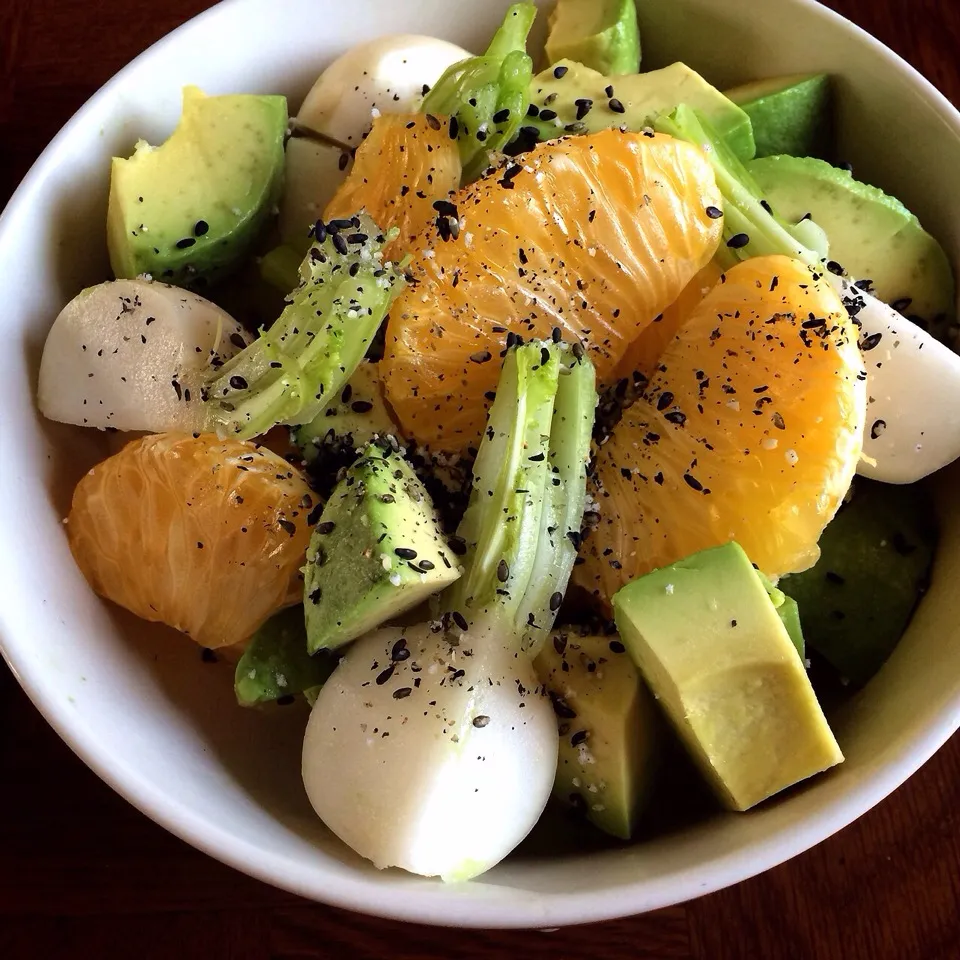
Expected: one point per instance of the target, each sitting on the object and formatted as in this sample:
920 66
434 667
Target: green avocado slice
601 34
276 663
872 236
572 98
376 552
610 730
189 211
790 115
707 639
875 561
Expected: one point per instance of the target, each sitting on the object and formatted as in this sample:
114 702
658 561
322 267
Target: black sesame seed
555 600
459 619
501 116
385 675
584 106
433 122
185 243
876 431
738 241
361 406
480 721
238 383
547 114
868 343
835 268
579 737
714 213
340 244
617 647
560 706
402 693
665 399
405 553
609 90
503 571
201 227
458 546
692 482
454 129
616 106
560 72
326 527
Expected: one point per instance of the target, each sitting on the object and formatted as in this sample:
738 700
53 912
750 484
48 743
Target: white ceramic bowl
135 702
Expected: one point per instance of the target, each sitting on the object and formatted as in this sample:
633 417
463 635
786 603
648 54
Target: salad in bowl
543 423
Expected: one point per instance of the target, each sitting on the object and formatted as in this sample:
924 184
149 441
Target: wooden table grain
83 874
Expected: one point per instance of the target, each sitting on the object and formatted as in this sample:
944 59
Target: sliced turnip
913 393
387 75
435 758
432 747
132 355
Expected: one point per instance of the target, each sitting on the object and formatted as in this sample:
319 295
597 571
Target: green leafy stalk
487 96
293 369
528 494
744 214
564 499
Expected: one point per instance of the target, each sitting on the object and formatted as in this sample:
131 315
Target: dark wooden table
84 875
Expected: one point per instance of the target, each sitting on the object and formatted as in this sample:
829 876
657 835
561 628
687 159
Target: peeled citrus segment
203 534
405 165
642 355
750 431
593 235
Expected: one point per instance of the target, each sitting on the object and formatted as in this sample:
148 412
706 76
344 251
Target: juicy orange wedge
406 163
644 353
203 534
750 431
593 235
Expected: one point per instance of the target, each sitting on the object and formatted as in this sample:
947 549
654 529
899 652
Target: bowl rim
432 902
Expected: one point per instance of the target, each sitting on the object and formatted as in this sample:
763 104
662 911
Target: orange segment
750 431
406 163
593 235
203 534
642 355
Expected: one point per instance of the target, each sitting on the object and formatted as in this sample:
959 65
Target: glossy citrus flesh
406 163
750 430
591 235
644 353
203 534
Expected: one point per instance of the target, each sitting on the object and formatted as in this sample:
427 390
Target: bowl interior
135 701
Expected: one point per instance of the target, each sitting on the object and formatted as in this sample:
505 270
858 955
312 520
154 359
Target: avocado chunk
189 211
276 664
358 416
790 115
572 98
875 562
313 172
609 728
601 34
872 236
787 611
376 552
713 651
